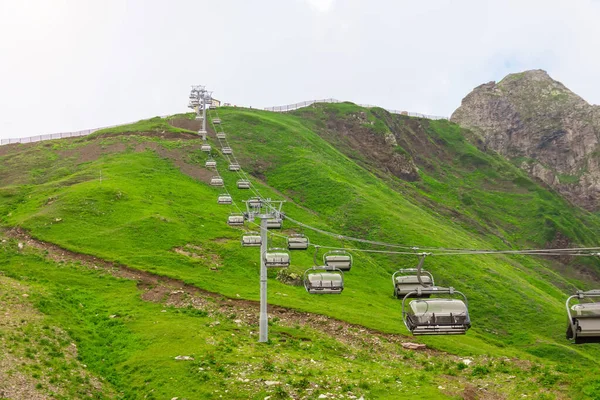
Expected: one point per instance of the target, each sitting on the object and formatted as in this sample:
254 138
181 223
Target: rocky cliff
543 127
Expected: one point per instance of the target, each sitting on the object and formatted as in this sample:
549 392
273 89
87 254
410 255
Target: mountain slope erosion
543 127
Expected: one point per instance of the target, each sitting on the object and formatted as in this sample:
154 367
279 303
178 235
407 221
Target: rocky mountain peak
544 127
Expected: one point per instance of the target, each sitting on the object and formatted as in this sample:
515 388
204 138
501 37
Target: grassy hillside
143 201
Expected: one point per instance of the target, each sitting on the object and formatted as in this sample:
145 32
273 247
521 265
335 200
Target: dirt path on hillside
175 293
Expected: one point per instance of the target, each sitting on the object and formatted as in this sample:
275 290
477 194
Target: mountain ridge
543 127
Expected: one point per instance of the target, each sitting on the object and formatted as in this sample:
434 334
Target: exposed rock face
553 133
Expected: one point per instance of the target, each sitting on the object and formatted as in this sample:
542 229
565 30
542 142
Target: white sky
77 64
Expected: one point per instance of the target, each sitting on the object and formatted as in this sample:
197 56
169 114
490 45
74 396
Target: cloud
321 6
90 64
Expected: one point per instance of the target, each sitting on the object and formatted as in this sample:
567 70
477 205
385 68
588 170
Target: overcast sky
77 64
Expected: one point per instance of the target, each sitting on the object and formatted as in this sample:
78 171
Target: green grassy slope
133 344
145 207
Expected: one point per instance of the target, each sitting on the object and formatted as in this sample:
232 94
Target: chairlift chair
216 121
251 239
234 167
406 281
297 241
227 150
216 181
221 135
584 318
436 316
210 163
224 199
243 184
235 219
274 223
199 117
255 202
323 280
205 147
339 259
276 258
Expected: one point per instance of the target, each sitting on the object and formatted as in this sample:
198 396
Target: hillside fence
296 106
285 108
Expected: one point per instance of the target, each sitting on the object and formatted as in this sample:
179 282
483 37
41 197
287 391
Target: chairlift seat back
234 167
225 199
221 135
227 150
410 283
205 147
251 240
438 317
242 184
274 223
324 283
277 260
589 310
342 262
216 182
297 243
235 220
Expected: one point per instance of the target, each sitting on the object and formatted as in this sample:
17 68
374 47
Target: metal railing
285 108
296 106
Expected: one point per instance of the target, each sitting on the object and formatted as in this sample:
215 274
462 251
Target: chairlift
408 280
254 202
276 258
339 259
216 181
323 280
216 121
297 241
234 167
235 219
221 135
210 163
224 199
227 150
251 239
584 318
199 117
243 184
205 147
436 316
274 223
